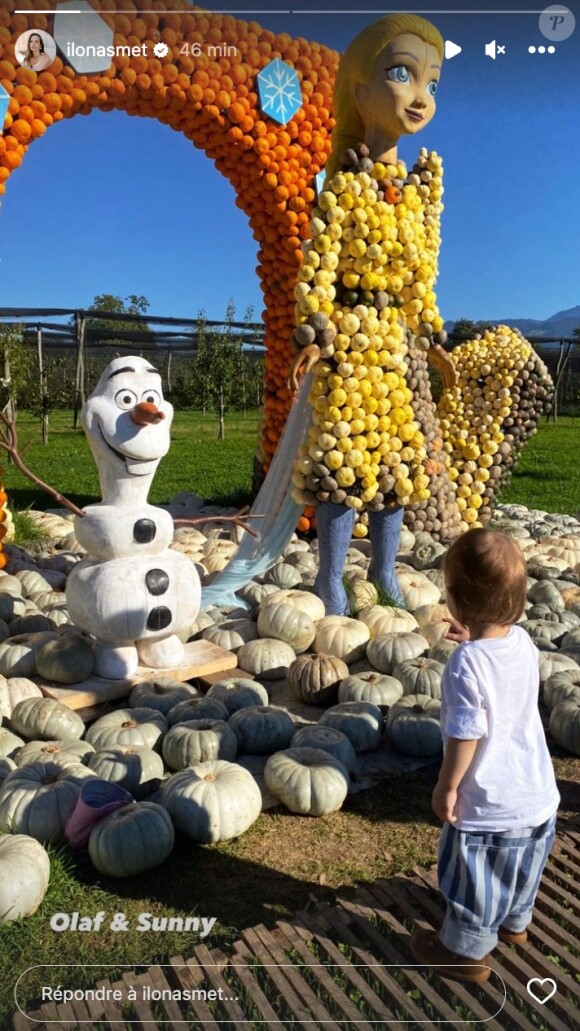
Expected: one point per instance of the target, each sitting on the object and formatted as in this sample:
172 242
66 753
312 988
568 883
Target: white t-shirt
489 692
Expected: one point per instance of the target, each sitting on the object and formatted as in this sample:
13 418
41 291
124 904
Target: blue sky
106 203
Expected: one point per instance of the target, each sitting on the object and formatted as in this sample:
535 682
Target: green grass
197 461
548 475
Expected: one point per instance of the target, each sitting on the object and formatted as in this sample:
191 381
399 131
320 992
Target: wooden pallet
202 658
348 965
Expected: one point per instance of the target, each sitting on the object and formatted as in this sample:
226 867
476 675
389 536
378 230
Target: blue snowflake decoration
279 91
319 181
4 102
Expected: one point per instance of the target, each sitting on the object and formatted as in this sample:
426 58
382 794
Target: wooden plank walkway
347 965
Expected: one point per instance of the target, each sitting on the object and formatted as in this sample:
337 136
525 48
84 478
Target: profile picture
35 49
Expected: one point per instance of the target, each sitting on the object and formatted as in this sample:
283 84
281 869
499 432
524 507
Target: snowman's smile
130 461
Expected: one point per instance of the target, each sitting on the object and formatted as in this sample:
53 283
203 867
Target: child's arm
458 757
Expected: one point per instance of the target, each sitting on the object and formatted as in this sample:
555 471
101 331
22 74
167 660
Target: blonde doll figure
368 278
364 442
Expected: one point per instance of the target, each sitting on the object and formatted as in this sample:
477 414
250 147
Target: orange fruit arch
213 101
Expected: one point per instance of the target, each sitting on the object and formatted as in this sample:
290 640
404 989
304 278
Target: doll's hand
456 632
444 803
302 364
442 361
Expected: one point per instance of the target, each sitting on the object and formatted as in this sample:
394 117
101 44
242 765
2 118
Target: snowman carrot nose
146 412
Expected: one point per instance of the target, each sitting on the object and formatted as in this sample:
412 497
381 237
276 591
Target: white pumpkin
62 752
129 727
262 729
215 801
362 722
305 601
417 590
286 623
38 799
198 741
14 690
387 619
231 634
131 840
161 694
307 780
24 876
342 637
329 740
370 686
385 652
9 743
420 676
266 657
236 693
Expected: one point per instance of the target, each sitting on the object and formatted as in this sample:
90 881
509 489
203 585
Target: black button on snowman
133 593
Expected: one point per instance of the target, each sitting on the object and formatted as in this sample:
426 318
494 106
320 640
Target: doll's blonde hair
356 66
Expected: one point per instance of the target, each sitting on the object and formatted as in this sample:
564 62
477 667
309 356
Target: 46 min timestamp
208 49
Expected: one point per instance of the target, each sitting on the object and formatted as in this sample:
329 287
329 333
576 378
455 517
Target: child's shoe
427 949
512 937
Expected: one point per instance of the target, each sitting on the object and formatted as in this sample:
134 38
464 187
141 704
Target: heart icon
546 984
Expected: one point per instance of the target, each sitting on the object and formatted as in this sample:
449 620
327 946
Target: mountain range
562 324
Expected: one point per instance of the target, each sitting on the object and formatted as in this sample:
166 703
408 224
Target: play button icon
451 49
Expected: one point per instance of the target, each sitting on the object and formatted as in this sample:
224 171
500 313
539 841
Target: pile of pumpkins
188 759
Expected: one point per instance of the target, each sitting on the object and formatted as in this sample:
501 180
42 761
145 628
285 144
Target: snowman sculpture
132 593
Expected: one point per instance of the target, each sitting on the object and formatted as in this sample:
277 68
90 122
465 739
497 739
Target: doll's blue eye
432 87
400 73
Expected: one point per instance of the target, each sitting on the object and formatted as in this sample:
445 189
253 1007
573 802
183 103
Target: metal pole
43 388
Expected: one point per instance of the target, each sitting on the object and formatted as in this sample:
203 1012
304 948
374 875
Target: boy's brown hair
485 572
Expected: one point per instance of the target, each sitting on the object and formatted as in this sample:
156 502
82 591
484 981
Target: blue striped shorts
489 880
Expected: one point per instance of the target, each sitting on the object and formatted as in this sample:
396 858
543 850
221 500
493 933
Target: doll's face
399 98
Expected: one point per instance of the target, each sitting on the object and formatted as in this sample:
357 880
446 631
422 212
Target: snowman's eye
152 396
125 399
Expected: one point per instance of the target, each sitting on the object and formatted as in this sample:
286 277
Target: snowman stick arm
220 519
9 443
